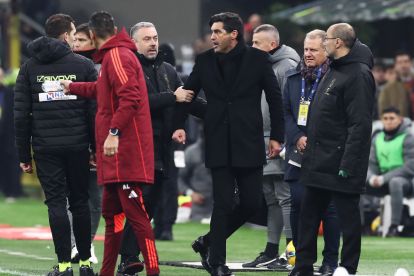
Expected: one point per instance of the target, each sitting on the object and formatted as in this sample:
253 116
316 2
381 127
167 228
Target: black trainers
199 246
56 272
260 261
130 268
279 263
86 271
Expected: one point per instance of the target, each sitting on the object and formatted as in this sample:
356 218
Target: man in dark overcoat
232 76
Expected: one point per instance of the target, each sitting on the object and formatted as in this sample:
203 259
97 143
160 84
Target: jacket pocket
327 158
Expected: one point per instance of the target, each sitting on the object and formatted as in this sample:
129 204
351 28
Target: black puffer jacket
340 122
162 80
51 126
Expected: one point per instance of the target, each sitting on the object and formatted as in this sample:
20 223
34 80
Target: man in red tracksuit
124 145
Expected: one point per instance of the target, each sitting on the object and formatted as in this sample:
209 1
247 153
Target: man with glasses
335 159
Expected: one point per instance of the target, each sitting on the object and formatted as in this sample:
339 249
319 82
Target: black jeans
331 230
228 213
315 202
65 178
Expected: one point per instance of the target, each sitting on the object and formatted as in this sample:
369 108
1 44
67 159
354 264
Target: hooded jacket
340 122
122 100
407 170
51 126
283 60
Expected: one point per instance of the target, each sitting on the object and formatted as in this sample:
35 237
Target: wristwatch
114 132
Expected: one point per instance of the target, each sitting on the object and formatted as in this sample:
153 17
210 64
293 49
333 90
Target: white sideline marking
22 254
15 272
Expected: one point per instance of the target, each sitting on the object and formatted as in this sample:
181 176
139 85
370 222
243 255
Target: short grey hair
138 26
316 34
268 28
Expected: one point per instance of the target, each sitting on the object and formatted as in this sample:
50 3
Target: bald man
335 160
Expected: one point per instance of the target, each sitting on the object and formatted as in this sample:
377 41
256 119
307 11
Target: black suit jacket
233 121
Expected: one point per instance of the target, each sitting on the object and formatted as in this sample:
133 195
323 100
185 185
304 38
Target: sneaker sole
131 270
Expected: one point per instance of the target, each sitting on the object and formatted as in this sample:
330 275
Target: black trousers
65 178
228 213
166 211
315 202
331 230
152 196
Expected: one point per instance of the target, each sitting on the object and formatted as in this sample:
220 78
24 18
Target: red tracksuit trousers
122 200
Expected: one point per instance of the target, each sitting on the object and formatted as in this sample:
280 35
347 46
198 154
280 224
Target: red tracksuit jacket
122 101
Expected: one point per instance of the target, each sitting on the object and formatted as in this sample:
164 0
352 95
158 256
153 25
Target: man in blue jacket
301 86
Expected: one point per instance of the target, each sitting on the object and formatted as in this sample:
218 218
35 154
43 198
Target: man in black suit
232 76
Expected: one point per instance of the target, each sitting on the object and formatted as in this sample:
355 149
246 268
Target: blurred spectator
252 23
391 164
202 44
195 180
378 72
167 53
400 92
390 74
9 165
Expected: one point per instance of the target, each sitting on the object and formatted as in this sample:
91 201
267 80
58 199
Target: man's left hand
274 149
111 145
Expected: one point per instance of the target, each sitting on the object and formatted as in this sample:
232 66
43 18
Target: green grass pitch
29 258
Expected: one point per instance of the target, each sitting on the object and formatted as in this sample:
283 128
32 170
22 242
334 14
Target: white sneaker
73 252
93 259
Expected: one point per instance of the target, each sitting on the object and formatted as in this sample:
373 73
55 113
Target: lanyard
314 87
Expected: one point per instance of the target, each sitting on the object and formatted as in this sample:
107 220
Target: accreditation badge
303 113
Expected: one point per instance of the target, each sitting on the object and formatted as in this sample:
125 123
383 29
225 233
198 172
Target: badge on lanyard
305 104
303 113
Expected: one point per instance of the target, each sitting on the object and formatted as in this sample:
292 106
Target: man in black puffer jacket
57 127
335 160
162 81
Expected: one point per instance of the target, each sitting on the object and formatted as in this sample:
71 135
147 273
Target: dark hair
58 24
102 24
83 28
231 22
401 53
391 109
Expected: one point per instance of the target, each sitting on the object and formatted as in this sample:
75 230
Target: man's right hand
179 136
301 143
65 84
183 95
26 167
197 198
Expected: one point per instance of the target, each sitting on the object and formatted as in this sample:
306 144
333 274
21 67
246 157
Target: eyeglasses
326 38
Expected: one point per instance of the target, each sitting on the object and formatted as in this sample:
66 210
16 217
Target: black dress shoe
221 270
166 235
326 270
296 272
199 246
393 231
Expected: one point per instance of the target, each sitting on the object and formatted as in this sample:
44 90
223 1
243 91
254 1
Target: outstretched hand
65 84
